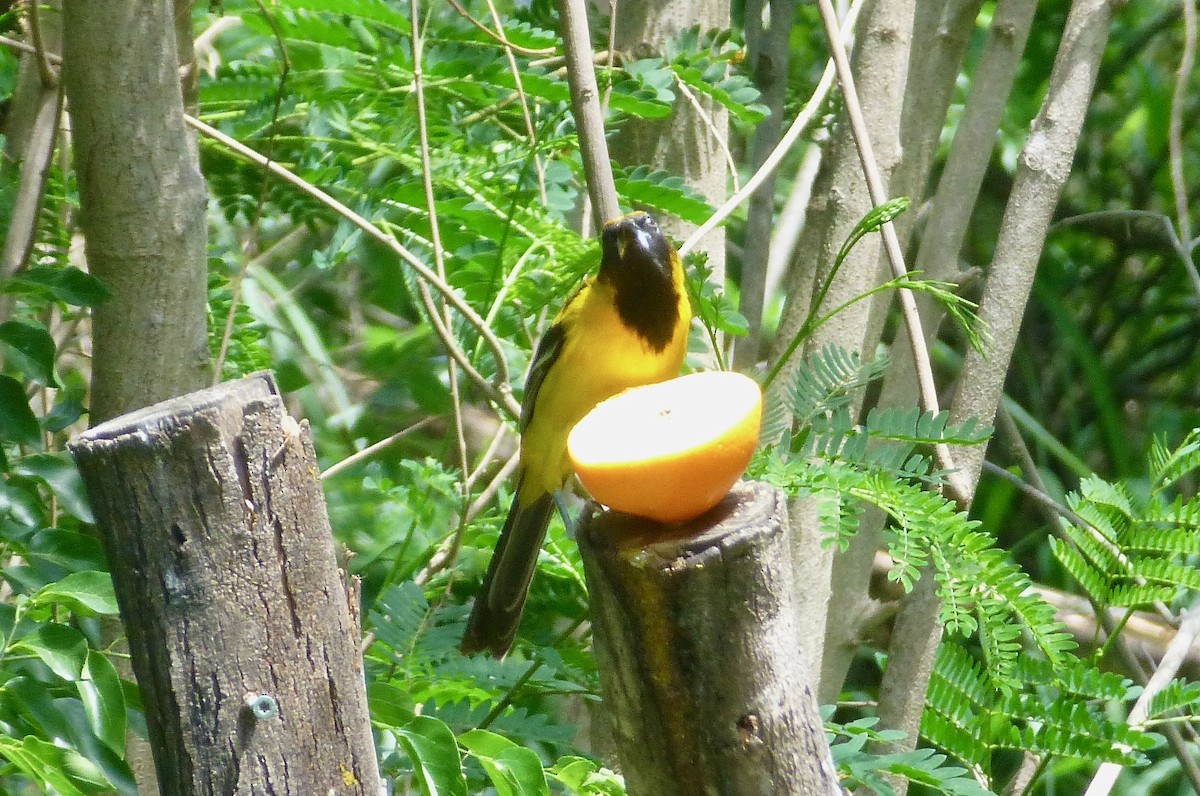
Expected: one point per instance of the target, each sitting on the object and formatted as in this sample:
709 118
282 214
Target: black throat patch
638 262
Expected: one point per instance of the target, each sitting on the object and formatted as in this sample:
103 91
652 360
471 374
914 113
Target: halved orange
669 451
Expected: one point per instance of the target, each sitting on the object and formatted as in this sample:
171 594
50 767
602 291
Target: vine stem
960 491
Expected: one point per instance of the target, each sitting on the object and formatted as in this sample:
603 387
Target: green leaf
662 191
68 408
31 349
90 591
70 550
103 700
585 777
38 708
878 216
42 762
62 648
69 285
58 471
435 758
390 706
513 770
17 421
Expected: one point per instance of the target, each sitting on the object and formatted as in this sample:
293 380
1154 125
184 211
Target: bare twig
373 448
26 47
1187 60
418 46
516 73
585 104
34 169
799 125
489 454
45 71
497 389
1102 783
499 37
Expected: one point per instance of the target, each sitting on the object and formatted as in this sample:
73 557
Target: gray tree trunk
696 642
684 143
31 132
143 202
244 638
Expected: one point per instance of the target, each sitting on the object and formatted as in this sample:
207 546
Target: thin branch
447 551
418 47
489 454
959 489
797 128
31 186
1187 60
1106 777
45 72
712 127
500 37
26 47
372 449
498 390
585 104
516 73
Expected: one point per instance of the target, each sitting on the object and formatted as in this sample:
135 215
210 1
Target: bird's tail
501 600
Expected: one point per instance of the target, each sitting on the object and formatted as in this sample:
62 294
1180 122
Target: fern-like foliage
882 463
1134 547
858 767
1179 695
1051 709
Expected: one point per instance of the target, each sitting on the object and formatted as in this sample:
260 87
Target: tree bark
241 631
697 647
685 143
769 52
143 201
840 200
31 132
1043 169
942 31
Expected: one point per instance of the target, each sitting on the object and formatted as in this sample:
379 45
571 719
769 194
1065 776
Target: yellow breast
600 357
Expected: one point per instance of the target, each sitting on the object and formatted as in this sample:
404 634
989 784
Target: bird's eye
650 223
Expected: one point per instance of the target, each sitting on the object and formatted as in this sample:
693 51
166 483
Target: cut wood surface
243 639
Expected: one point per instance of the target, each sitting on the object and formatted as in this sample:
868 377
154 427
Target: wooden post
244 639
698 652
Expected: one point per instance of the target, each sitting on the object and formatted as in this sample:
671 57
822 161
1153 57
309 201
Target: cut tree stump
243 636
702 670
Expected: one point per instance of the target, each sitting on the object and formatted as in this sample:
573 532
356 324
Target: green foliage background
1104 385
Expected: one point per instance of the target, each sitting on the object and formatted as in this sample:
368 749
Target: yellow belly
600 357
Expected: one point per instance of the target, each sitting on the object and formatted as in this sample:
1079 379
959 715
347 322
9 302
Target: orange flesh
669 451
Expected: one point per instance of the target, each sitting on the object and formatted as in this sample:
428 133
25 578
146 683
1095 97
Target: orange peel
671 450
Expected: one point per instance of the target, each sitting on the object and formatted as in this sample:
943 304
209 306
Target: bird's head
635 243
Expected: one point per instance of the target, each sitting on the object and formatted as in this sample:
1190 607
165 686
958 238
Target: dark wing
544 356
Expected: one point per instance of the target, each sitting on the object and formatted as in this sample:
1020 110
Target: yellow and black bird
623 327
